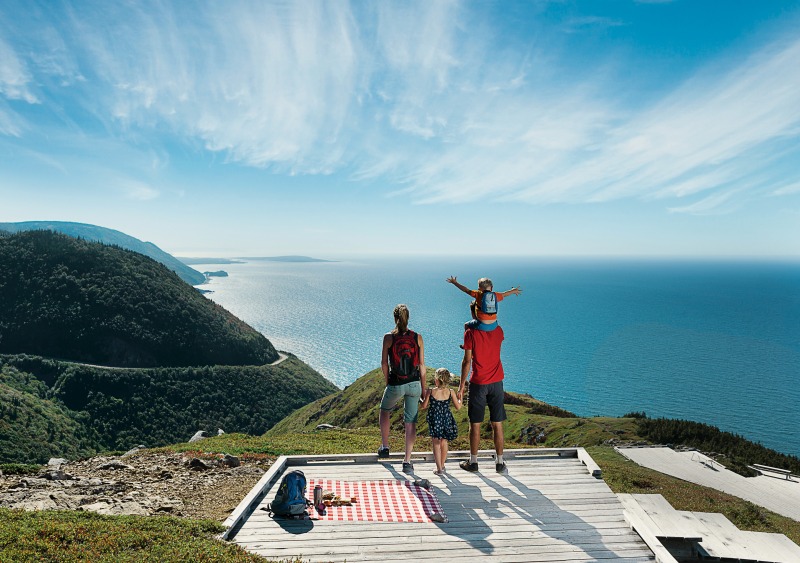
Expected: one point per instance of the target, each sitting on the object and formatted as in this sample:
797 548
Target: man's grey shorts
482 395
410 392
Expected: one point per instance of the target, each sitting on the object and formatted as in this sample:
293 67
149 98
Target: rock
231 461
326 426
56 462
199 435
56 475
133 450
114 465
220 432
198 464
165 475
169 506
99 507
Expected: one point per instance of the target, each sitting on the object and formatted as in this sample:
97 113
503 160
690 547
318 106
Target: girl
441 424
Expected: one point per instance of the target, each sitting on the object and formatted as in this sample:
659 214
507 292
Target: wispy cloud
136 190
423 97
14 76
579 24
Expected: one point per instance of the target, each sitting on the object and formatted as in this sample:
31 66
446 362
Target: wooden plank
591 466
670 522
367 529
444 533
253 498
494 515
396 552
771 547
626 557
714 521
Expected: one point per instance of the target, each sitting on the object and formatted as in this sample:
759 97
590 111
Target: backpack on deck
405 355
487 303
290 500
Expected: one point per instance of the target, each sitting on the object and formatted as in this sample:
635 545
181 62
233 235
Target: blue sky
651 128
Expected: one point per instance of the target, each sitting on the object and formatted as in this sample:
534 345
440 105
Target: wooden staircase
676 536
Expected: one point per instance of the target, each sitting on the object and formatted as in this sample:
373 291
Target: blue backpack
290 500
488 303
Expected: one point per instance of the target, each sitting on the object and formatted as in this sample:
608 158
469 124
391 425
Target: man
482 355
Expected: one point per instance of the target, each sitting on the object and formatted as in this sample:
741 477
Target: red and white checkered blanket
379 501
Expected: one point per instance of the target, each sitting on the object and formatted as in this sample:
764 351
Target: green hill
52 408
110 236
531 421
84 301
358 406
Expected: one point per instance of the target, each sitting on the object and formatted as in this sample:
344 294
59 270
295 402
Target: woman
403 366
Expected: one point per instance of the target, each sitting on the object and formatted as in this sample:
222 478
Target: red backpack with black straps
405 356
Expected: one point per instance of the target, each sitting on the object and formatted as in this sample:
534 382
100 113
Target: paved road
777 495
281 358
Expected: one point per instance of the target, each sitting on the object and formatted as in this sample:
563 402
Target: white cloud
788 189
714 204
14 76
136 190
422 98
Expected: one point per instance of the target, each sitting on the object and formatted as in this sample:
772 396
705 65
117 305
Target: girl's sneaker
439 472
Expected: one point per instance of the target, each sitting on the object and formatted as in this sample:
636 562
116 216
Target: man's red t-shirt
485 345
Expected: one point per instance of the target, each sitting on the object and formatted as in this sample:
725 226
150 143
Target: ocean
711 341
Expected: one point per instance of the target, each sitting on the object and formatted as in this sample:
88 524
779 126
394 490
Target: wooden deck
548 507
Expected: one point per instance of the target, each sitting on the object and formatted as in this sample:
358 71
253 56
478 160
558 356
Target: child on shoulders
484 306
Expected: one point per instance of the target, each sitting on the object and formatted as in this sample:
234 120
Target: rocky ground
143 483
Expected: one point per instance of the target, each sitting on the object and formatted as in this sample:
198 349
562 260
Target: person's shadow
470 514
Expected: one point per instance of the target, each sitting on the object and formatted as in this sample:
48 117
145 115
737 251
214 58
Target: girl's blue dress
441 423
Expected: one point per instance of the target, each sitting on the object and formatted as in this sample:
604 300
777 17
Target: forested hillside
71 299
51 408
113 237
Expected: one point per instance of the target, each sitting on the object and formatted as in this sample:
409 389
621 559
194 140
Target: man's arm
454 281
387 343
422 375
465 364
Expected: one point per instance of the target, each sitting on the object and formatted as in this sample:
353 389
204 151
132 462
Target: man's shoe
383 451
467 466
501 468
408 467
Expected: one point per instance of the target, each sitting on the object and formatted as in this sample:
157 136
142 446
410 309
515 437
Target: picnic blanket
385 500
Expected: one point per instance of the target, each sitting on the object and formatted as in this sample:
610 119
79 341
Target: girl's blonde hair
443 375
400 319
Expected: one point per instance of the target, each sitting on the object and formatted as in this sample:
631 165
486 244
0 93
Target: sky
335 128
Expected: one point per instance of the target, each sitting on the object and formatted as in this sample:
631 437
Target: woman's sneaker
383 451
408 467
501 468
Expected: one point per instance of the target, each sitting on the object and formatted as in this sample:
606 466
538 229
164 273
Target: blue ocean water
716 342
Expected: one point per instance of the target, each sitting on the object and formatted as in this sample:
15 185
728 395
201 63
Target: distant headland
244 259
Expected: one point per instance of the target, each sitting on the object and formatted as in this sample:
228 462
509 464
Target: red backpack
405 356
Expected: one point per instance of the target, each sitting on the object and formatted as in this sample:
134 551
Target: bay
716 342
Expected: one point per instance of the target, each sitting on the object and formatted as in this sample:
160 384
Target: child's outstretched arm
513 291
456 401
454 281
